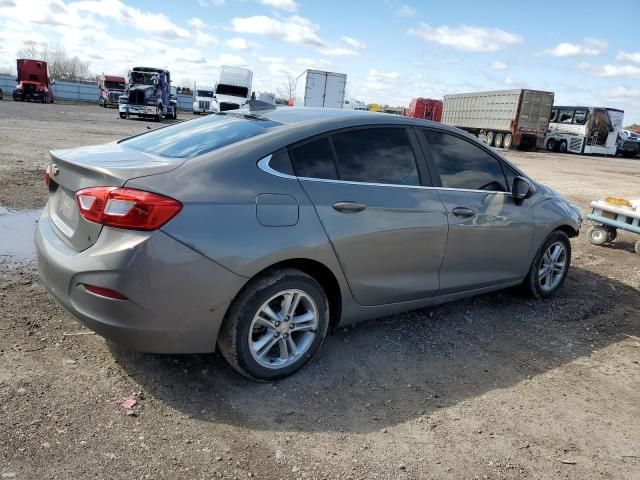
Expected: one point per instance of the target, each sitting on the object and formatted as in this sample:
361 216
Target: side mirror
522 189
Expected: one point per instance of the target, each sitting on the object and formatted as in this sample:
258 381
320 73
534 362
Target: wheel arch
568 229
317 270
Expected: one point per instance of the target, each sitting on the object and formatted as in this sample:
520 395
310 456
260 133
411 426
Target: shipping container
426 109
502 118
315 88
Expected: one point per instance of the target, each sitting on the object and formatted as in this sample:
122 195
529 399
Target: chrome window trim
263 165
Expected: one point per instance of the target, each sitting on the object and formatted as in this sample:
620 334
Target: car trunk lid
71 170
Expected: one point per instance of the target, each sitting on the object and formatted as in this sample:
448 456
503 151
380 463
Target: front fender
553 214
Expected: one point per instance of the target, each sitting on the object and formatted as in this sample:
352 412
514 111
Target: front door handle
463 212
349 207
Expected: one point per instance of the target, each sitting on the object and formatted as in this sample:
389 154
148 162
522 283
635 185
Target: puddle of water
16 233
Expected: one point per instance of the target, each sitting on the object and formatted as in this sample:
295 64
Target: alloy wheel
283 329
553 266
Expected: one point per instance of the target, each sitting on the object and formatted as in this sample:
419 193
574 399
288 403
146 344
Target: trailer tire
508 141
637 247
551 144
597 235
612 233
562 146
489 137
498 140
123 115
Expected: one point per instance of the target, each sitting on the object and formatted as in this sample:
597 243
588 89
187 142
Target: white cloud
207 3
228 59
294 29
628 57
405 11
352 42
286 5
624 71
498 65
157 24
197 23
238 43
589 47
470 39
204 39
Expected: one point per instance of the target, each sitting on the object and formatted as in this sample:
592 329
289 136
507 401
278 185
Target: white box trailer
315 88
502 118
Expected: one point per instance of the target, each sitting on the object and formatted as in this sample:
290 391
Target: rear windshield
197 137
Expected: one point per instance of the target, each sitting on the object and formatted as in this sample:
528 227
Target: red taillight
105 292
126 207
47 176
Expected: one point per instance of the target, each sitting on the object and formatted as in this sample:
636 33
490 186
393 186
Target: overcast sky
587 52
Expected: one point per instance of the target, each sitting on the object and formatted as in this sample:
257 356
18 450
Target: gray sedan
258 231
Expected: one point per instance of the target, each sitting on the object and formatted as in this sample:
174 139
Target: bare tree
288 88
61 67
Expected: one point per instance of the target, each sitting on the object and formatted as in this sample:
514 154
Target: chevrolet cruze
258 231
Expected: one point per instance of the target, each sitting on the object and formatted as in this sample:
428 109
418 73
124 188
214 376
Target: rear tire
489 137
612 233
637 247
598 235
498 140
508 141
547 274
256 337
123 115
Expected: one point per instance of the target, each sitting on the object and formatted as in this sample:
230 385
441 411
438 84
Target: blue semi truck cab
148 95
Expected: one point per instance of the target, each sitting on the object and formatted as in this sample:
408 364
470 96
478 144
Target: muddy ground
496 387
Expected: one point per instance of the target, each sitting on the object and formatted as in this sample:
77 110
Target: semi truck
315 88
148 95
502 118
234 88
33 81
110 88
203 101
425 109
588 130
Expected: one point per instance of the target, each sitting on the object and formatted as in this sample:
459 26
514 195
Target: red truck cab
426 109
111 87
33 82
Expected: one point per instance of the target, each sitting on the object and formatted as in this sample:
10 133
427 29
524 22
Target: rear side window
197 137
314 160
464 165
376 155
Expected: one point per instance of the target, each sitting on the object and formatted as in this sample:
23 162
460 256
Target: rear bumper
176 298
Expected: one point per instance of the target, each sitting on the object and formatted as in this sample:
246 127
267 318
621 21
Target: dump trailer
315 88
148 95
425 109
33 81
501 118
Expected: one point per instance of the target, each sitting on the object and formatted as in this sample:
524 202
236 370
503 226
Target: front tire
275 326
550 266
598 235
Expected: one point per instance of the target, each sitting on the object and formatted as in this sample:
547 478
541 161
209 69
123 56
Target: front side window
565 116
580 117
376 155
464 165
314 160
553 117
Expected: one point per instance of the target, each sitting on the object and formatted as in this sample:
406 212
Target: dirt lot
492 387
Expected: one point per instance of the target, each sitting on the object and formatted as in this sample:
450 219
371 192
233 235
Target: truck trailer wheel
597 235
489 137
123 115
507 142
498 140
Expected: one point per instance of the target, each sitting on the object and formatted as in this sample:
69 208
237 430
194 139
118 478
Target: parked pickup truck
148 95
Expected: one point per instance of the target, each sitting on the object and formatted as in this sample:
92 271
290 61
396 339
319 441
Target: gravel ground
496 386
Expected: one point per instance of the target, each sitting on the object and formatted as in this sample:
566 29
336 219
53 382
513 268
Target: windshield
142 78
197 137
114 85
232 90
204 93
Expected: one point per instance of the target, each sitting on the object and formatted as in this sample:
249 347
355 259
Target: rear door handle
463 212
349 207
